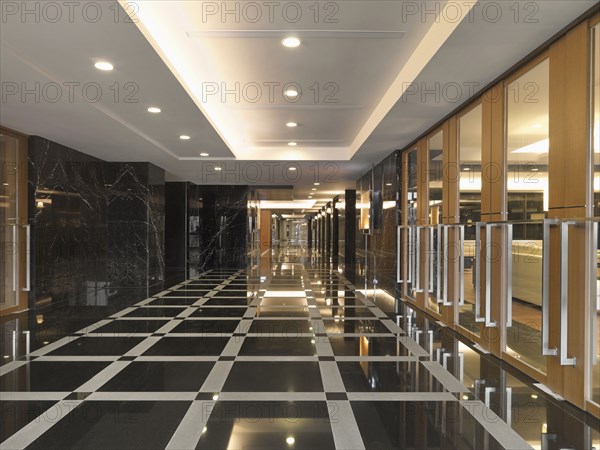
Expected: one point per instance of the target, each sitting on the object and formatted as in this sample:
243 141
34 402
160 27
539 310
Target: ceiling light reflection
291 42
104 65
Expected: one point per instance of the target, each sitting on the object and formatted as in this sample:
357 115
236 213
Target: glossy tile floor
284 356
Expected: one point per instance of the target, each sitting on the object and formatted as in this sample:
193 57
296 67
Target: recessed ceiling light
293 169
292 144
103 65
154 110
466 169
204 154
184 137
291 93
218 169
388 184
314 189
291 42
291 124
317 184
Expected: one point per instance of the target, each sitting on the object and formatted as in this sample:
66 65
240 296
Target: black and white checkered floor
295 359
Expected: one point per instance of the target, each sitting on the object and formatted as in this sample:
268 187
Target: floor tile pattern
288 357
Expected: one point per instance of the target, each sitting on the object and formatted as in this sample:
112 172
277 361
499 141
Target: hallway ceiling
175 51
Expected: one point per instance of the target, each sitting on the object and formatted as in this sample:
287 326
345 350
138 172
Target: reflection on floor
286 354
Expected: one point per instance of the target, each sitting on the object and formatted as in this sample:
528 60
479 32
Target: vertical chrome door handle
488 278
594 292
398 253
418 260
564 295
477 268
411 250
509 265
488 268
445 253
461 298
15 246
429 255
27 287
440 253
546 350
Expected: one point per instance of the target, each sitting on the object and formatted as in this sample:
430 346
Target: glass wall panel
8 222
411 222
435 156
470 139
595 306
527 146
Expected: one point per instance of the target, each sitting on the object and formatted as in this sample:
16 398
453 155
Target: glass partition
411 222
9 222
594 376
470 140
527 146
435 157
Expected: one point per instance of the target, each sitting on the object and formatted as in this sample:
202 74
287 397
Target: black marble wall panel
222 226
208 227
335 229
68 216
176 243
253 227
350 226
194 239
135 225
323 231
156 228
97 227
378 262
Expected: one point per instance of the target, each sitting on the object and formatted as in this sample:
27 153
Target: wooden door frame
591 406
425 275
22 218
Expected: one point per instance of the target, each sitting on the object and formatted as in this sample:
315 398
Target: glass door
470 143
527 148
13 225
435 155
9 295
593 376
410 229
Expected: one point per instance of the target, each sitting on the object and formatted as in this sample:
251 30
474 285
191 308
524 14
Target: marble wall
348 246
176 232
218 227
97 227
208 227
379 261
136 201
